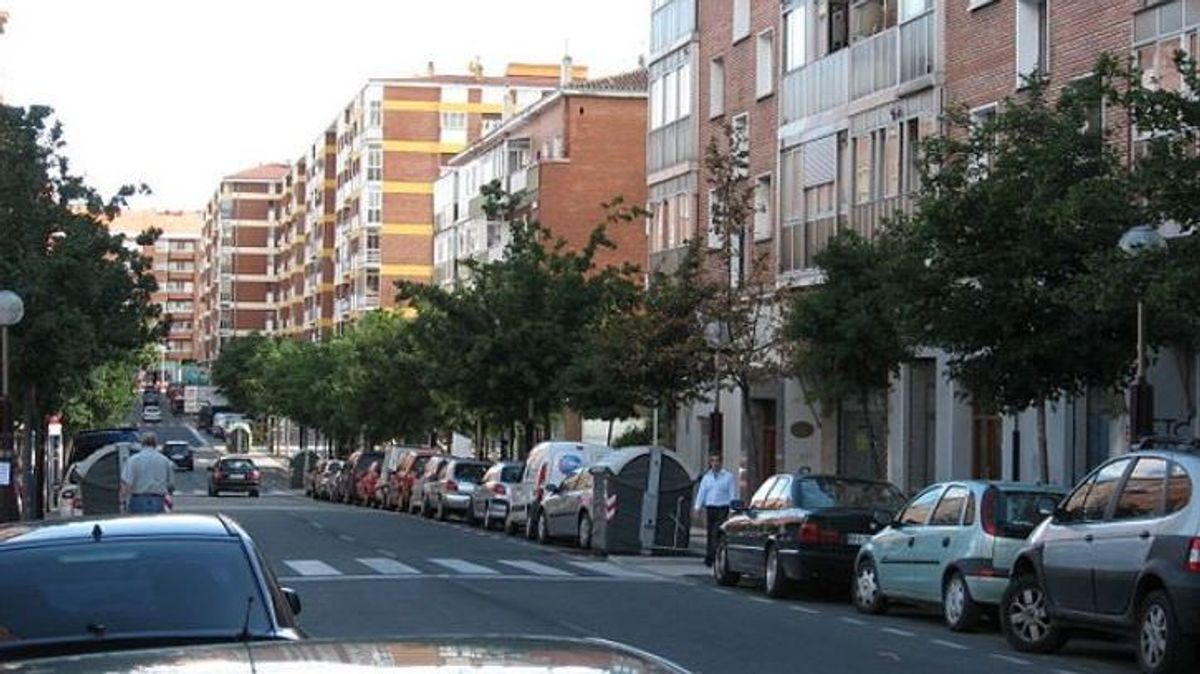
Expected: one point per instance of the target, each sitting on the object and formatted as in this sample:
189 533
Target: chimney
565 76
429 68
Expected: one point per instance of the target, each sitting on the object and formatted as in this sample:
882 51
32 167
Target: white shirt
148 472
716 489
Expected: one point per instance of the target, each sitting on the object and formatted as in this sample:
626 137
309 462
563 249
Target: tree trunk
610 430
1043 451
752 454
864 401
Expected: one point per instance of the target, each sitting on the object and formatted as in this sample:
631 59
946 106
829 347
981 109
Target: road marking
1011 659
317 525
853 621
534 567
463 566
474 577
948 644
898 632
386 565
1064 671
805 609
346 537
609 569
387 553
722 590
760 600
311 567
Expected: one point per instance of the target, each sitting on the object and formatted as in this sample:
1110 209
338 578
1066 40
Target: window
762 208
374 114
780 493
919 509
454 121
490 122
374 206
716 88
1142 495
741 139
759 500
889 155
911 9
795 39
657 113
1032 39
372 283
764 69
741 19
1100 494
670 104
374 163
949 510
1179 489
981 119
685 90
684 226
862 169
714 234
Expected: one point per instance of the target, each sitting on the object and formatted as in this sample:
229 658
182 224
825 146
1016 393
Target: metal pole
4 357
1141 342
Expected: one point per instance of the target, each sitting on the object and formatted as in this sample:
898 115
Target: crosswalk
387 568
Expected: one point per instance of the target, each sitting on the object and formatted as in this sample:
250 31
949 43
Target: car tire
775 580
531 525
584 538
441 510
1025 619
959 610
1161 647
253 493
543 530
868 596
212 492
509 526
721 572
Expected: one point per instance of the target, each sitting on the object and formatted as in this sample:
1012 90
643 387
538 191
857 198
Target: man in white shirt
717 490
146 479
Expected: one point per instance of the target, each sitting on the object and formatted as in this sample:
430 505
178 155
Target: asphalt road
368 573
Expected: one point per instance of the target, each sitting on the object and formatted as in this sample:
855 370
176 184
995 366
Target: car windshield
470 472
512 473
238 465
1020 508
176 447
365 461
88 442
832 492
418 464
114 588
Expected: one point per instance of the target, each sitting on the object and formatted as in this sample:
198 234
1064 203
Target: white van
548 463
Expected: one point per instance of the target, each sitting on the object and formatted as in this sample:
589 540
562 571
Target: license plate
235 476
857 539
178 457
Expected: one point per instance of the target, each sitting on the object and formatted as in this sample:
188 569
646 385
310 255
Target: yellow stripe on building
331 149
400 187
422 270
414 229
326 323
423 146
326 288
330 184
326 219
443 106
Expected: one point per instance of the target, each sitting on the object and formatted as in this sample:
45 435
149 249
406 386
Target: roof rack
1166 442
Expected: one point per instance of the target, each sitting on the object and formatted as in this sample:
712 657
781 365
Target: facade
391 141
567 154
237 280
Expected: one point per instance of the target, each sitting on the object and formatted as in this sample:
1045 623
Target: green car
953 544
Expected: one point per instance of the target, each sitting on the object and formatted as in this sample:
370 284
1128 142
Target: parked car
800 528
1120 554
548 463
222 421
417 502
95 584
355 469
70 495
87 442
953 544
368 485
328 480
234 473
312 477
411 467
151 414
450 494
490 500
567 511
180 452
204 418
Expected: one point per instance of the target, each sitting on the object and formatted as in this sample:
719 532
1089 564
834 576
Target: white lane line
1064 671
760 600
853 621
311 567
949 644
317 525
722 590
463 566
347 538
386 553
534 567
476 577
805 609
898 632
386 565
609 569
1011 659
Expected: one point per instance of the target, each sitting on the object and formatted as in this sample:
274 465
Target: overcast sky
177 93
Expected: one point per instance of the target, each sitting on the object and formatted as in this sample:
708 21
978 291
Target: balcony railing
816 87
670 145
668 261
369 302
524 179
799 243
917 47
873 63
866 219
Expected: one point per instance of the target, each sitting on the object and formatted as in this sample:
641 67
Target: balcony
671 145
799 243
369 301
524 179
668 261
816 87
867 218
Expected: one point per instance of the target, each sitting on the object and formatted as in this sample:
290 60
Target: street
367 573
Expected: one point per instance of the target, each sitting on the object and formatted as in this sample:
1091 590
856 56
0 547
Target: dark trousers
713 517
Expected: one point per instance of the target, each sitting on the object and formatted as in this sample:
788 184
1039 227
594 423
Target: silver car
450 491
953 544
490 500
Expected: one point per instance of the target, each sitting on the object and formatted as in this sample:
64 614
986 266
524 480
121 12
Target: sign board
5 473
191 399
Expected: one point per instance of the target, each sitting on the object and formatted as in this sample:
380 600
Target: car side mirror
1048 510
898 523
293 599
737 506
1057 514
552 489
210 469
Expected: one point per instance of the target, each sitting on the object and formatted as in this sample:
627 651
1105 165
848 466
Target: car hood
431 654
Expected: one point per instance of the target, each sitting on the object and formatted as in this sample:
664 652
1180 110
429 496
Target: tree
1010 214
106 398
241 375
391 391
845 336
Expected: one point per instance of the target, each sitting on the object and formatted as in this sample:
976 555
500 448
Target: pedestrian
147 478
717 490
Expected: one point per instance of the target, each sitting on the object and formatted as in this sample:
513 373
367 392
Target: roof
633 81
262 172
83 529
174 224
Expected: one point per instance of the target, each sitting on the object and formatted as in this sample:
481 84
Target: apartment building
392 140
567 154
175 264
237 279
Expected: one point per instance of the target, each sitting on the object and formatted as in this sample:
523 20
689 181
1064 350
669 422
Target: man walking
147 478
716 491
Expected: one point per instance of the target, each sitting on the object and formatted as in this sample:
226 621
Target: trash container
301 464
100 478
643 498
238 438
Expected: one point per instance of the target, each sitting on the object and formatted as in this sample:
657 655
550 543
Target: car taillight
254 475
499 490
541 482
451 485
217 475
1193 561
987 511
811 533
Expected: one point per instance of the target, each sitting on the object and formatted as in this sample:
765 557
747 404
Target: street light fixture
1137 241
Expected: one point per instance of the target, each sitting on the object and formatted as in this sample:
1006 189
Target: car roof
144 526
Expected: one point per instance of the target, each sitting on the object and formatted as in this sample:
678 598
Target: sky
178 93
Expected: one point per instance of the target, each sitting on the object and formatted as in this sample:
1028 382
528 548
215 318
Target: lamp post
12 310
716 334
1136 241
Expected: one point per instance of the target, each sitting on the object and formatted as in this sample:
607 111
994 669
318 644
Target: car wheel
212 492
868 596
253 493
543 530
958 608
1162 647
441 510
1025 618
509 526
720 567
776 581
585 532
531 525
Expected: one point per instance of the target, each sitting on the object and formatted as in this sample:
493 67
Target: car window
969 514
470 472
1144 490
918 511
759 500
130 587
1021 509
950 509
1072 509
829 492
239 465
1179 489
778 497
511 473
570 463
1100 494
419 463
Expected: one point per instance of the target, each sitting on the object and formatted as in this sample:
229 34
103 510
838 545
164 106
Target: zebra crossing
387 568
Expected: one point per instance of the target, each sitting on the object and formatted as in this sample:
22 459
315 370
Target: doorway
922 418
985 444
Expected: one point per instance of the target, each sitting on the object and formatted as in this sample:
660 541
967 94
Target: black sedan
180 453
803 528
234 473
102 584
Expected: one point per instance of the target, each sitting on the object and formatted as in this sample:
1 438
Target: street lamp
1137 241
716 334
12 310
